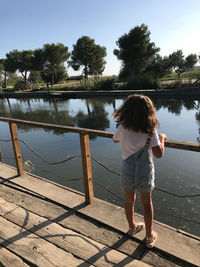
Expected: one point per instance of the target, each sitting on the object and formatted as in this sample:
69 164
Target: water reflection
94 115
35 110
175 106
25 107
57 112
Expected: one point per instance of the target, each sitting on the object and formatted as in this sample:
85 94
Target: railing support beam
87 168
16 148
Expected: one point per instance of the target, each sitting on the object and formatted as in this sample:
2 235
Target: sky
29 24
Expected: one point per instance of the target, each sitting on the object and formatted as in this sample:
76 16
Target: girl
138 137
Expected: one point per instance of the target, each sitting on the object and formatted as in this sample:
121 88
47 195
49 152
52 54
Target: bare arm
158 151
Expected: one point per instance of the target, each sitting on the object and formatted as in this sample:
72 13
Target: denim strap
149 139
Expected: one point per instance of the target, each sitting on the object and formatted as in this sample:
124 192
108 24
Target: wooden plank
70 241
169 240
33 249
9 259
87 168
73 221
16 148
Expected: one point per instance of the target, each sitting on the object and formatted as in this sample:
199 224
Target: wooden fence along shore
85 148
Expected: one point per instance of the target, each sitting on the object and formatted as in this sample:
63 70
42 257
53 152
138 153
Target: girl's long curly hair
137 114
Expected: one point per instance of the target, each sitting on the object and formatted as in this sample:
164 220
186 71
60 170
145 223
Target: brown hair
137 113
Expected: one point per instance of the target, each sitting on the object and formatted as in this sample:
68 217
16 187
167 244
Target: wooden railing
84 144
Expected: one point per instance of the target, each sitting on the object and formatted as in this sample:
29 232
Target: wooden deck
46 224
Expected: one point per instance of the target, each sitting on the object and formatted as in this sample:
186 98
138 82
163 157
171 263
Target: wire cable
69 157
156 188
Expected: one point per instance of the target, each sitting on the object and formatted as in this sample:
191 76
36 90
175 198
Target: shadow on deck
46 224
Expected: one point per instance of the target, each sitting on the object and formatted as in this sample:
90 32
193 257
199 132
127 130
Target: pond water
178 171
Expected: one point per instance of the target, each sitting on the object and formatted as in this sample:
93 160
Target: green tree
13 78
97 64
49 60
21 61
136 51
6 68
60 74
34 77
88 55
179 64
3 70
159 67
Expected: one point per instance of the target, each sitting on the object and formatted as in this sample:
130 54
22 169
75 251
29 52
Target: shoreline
188 91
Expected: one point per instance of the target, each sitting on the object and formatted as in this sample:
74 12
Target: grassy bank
107 84
184 75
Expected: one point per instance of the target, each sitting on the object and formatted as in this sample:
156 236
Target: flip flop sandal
150 241
139 228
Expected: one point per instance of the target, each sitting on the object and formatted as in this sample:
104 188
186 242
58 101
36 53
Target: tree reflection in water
37 110
57 111
175 106
96 117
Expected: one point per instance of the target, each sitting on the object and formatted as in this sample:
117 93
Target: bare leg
129 209
148 213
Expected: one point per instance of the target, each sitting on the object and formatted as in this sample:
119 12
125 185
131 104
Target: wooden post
87 168
16 148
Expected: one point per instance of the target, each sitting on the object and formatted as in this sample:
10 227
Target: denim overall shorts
137 172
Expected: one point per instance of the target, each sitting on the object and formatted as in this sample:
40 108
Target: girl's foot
150 241
137 229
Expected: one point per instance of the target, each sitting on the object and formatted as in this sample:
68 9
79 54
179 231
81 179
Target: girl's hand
158 151
162 137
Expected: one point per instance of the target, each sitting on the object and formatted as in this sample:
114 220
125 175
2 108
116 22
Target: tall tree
34 77
21 61
60 74
179 64
6 68
88 55
4 71
97 65
136 51
49 60
159 66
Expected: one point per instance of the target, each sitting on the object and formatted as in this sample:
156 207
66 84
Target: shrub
86 85
104 84
143 81
21 85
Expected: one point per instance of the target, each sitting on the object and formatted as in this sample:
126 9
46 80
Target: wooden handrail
84 144
190 146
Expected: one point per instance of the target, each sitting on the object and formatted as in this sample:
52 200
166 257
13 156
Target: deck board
27 224
8 258
88 228
30 247
97 228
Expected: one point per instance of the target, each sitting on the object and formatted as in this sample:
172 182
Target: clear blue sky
28 24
